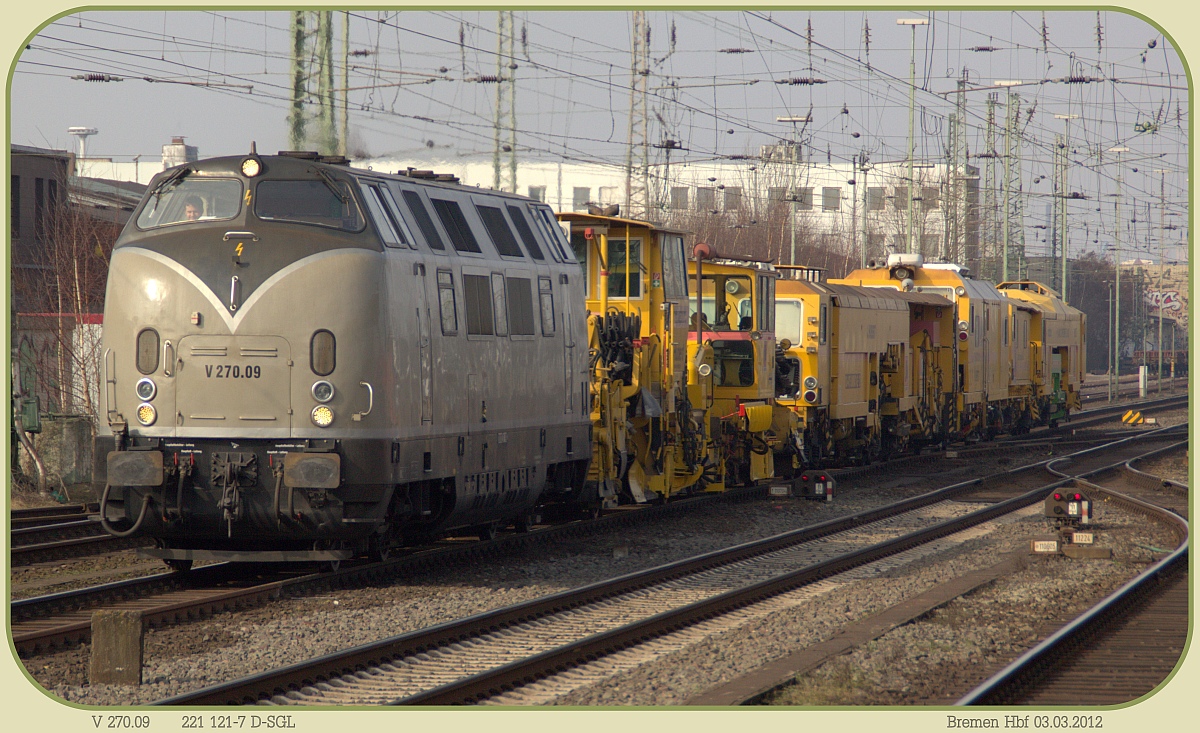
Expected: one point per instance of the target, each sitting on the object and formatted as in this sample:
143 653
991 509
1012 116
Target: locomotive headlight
146 414
322 391
322 416
962 325
251 167
145 389
810 382
704 370
960 291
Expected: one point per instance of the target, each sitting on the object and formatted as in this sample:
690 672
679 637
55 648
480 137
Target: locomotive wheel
179 566
485 532
523 523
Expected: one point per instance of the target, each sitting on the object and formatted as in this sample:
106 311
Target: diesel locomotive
305 361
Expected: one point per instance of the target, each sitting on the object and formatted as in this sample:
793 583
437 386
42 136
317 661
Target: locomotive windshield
726 303
179 200
322 203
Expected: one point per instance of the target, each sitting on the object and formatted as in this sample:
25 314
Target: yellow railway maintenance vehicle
1004 372
678 404
1056 338
865 372
732 345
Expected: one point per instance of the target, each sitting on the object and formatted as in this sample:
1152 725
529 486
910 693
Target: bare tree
61 302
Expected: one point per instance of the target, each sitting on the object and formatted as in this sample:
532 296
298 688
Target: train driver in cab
193 208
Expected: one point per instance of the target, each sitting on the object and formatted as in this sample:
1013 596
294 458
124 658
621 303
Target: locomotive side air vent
301 154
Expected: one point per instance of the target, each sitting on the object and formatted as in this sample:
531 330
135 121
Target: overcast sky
221 79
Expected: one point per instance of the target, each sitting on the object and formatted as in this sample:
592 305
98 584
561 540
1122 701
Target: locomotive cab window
624 268
190 200
325 203
674 269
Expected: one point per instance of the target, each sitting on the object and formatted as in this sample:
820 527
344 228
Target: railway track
520 651
39 516
1126 645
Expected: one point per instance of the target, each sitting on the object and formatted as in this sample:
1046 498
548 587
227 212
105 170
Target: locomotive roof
847 294
615 221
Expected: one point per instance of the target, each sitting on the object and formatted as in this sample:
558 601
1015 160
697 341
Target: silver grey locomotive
308 361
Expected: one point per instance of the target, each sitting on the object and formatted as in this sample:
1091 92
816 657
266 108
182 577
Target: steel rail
267 684
1023 672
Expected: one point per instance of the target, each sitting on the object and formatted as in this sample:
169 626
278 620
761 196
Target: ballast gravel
228 646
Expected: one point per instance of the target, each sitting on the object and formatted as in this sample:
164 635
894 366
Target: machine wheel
179 566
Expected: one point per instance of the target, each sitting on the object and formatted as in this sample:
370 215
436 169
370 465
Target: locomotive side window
456 225
320 203
497 229
546 295
824 320
424 220
447 303
518 218
393 210
388 230
185 200
499 305
477 297
555 233
520 306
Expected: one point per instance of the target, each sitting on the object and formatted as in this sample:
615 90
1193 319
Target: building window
929 243
39 207
538 193
706 199
874 198
901 199
777 194
831 198
733 198
804 199
580 196
609 195
930 197
679 198
15 214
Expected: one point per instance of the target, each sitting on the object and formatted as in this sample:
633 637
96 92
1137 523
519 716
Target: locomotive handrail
240 235
370 403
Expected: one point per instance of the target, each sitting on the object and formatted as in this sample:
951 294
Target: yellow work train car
679 402
1056 349
865 372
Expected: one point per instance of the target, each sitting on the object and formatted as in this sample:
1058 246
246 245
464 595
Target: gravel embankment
236 644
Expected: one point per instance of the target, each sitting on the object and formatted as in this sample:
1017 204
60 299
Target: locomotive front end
240 375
